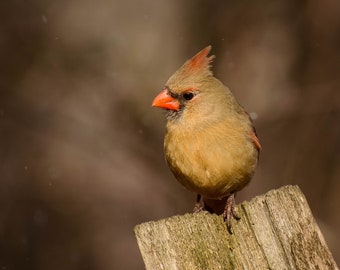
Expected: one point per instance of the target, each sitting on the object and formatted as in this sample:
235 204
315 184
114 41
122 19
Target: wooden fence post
276 231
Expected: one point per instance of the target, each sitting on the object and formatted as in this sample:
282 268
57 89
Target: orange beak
165 101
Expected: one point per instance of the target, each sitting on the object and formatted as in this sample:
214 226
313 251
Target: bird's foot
199 204
230 211
198 208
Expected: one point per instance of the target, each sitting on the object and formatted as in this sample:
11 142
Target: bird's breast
212 161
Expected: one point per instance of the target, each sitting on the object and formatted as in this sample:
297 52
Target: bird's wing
255 139
253 134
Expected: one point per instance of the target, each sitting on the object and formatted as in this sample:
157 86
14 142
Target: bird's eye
188 95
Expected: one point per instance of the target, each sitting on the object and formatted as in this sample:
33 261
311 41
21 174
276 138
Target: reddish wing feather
253 135
255 140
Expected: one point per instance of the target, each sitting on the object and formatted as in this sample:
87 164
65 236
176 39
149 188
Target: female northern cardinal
210 144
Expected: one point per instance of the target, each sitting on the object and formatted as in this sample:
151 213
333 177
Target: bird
210 143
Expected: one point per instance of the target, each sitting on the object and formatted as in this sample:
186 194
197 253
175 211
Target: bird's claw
198 208
230 211
199 204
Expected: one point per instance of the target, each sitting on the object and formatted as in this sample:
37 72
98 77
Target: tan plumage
210 143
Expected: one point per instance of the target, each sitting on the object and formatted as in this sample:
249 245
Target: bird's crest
198 67
193 70
200 62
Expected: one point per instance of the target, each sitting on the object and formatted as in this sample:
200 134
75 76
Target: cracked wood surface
276 231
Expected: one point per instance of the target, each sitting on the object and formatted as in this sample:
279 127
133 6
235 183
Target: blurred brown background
81 159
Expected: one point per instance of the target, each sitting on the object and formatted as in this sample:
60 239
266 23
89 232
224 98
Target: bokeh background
81 159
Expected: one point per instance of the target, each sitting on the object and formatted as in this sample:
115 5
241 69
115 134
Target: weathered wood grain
276 231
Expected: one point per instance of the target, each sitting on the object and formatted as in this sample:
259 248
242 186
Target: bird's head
190 86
